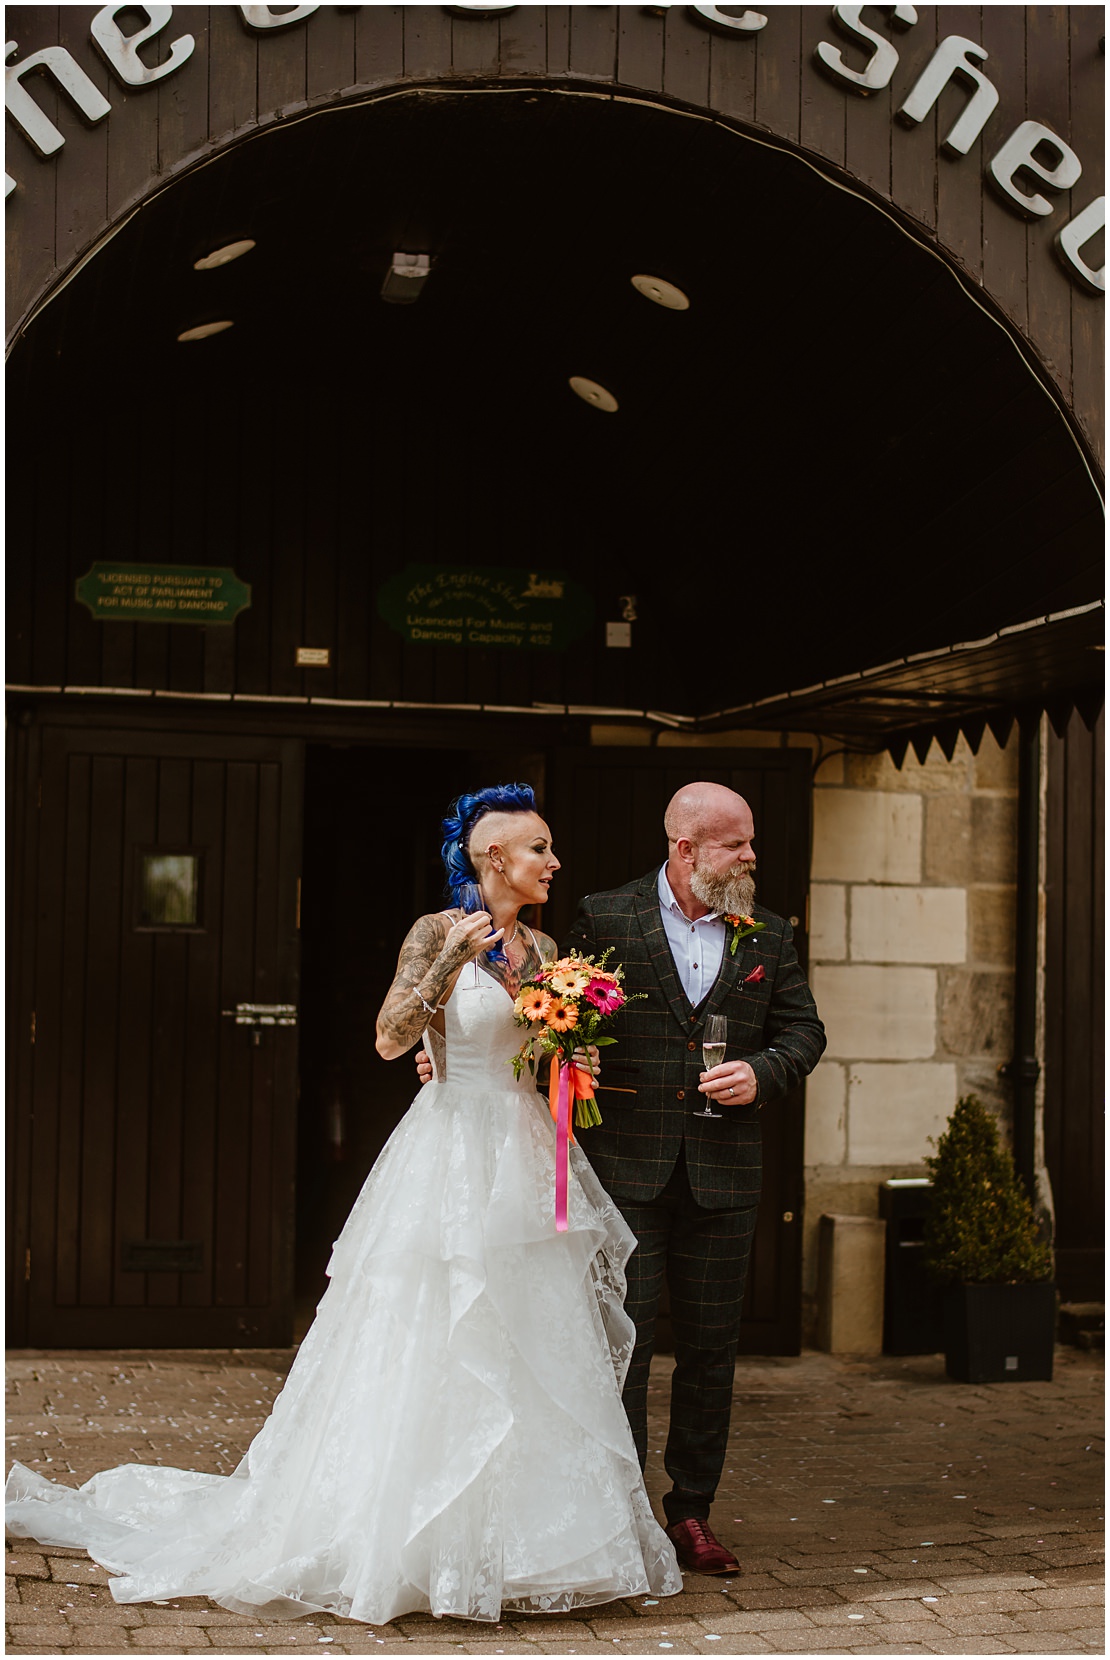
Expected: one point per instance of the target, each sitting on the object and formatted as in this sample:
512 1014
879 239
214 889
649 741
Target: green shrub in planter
982 1240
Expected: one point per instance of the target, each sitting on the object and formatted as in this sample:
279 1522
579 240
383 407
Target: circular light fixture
663 293
224 255
203 330
593 394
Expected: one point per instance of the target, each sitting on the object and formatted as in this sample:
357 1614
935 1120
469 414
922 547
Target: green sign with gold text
485 605
162 593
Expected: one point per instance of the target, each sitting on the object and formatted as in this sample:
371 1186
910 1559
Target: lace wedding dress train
450 1437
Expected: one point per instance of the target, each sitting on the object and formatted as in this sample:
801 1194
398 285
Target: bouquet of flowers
562 1008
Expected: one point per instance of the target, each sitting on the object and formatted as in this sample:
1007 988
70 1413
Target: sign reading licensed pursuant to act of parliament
162 593
485 605
1029 166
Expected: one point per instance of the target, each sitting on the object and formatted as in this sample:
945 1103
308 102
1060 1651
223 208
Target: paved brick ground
877 1508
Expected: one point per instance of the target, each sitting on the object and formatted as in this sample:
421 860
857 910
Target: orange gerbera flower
561 1016
533 1003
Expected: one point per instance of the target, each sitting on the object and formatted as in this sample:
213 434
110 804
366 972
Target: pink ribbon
562 1149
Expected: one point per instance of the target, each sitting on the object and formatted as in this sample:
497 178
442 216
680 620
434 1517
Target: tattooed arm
433 953
511 977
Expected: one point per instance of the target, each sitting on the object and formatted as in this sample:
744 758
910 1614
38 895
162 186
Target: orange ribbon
581 1088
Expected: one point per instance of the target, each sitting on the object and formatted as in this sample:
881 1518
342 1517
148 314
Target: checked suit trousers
703 1257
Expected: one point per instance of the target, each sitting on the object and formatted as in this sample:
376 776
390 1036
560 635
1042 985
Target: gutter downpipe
1024 1069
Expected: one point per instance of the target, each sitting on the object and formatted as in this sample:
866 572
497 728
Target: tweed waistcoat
650 1076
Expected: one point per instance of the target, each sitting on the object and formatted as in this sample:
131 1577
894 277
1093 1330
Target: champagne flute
714 1038
470 898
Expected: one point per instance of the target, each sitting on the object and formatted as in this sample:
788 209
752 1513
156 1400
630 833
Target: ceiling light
405 278
224 255
663 293
594 394
203 330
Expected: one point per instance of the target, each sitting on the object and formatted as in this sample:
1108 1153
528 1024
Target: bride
450 1438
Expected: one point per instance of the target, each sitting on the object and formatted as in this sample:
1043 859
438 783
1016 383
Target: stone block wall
911 962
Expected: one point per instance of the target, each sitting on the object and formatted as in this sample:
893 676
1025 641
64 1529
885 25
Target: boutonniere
741 926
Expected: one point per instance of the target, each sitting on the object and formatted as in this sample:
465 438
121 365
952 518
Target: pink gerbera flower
605 997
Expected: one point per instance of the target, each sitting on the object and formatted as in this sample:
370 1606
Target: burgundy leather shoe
698 1551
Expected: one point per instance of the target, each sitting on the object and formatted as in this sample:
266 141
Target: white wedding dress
450 1437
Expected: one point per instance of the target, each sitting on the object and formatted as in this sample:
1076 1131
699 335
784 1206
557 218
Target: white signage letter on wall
748 23
883 61
265 17
122 51
951 59
1071 239
1017 152
22 108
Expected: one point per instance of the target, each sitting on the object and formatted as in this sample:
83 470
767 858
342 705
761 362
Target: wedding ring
730 1089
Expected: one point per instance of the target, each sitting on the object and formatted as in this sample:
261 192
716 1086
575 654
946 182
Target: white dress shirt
697 947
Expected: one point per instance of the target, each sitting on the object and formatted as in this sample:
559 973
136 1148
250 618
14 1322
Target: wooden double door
152 1053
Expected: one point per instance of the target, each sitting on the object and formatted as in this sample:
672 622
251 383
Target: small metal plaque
162 1256
313 657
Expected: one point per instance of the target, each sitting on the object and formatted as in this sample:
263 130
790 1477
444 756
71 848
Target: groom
689 1186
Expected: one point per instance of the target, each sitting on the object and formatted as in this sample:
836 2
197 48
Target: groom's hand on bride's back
423 1066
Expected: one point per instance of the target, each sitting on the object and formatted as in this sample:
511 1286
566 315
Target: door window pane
169 890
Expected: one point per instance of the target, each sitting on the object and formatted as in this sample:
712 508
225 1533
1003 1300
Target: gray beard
729 895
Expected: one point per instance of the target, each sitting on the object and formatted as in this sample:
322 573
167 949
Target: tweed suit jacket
650 1077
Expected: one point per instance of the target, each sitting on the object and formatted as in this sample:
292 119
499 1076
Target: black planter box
1000 1333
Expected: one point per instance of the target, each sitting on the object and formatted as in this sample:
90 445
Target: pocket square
755 976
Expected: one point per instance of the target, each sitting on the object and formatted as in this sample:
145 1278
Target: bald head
711 861
701 809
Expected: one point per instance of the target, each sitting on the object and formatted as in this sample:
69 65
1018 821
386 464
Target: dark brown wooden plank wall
136 1038
913 145
379 45
778 75
23 764
824 118
1006 261
169 1037
330 52
82 204
105 1027
201 1070
593 42
1048 95
1087 63
50 1014
687 58
183 114
233 80
1074 1003
233 1144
